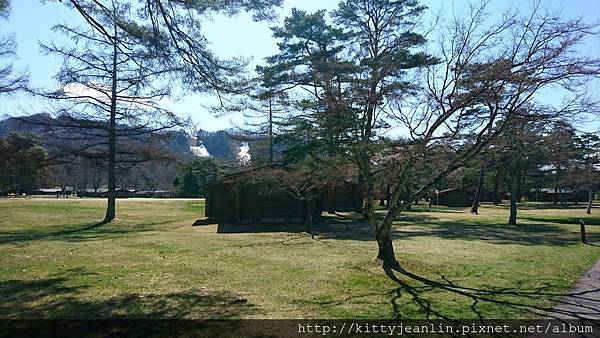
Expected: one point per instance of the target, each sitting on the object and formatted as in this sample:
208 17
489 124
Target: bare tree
113 79
172 27
10 81
108 101
370 71
487 74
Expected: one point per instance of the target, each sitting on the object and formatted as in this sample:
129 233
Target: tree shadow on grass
55 307
496 233
327 223
339 225
544 206
56 297
85 232
351 227
519 299
593 221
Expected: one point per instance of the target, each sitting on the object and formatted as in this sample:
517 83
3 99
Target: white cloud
77 89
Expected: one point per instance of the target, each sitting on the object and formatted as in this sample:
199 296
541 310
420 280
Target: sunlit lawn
55 263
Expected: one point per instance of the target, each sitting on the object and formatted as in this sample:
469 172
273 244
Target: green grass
56 263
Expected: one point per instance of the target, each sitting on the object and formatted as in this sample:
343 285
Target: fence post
582 227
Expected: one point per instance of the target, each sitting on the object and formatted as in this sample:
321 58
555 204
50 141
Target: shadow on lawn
594 221
496 233
56 307
58 298
349 227
543 206
514 298
85 232
342 226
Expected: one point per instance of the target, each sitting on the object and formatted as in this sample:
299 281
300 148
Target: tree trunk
362 187
310 209
512 219
475 206
590 200
555 194
520 181
381 229
386 250
560 196
331 199
497 179
270 132
388 196
112 139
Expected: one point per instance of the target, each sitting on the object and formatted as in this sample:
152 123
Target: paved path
583 302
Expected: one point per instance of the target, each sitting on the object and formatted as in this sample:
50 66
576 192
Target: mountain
26 124
224 144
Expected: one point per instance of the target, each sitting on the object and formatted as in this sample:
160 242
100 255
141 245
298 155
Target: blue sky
30 21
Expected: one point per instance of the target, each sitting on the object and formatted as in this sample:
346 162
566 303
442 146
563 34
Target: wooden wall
254 204
250 204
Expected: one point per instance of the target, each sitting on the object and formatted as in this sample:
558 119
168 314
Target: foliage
368 70
110 85
199 172
22 159
189 184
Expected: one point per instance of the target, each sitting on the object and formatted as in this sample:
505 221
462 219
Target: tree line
367 90
117 67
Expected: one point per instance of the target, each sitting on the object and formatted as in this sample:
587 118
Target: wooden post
582 226
207 203
238 203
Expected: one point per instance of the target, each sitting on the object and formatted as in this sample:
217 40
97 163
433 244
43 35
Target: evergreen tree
189 184
23 160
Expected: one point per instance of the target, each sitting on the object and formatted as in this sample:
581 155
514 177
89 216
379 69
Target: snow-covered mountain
223 144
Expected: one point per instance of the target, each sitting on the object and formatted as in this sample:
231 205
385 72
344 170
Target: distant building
53 191
155 193
91 192
48 191
103 193
562 194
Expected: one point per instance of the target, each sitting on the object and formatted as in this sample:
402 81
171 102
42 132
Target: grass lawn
55 263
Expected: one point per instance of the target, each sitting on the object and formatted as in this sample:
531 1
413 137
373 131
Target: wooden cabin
344 197
238 202
457 197
241 203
